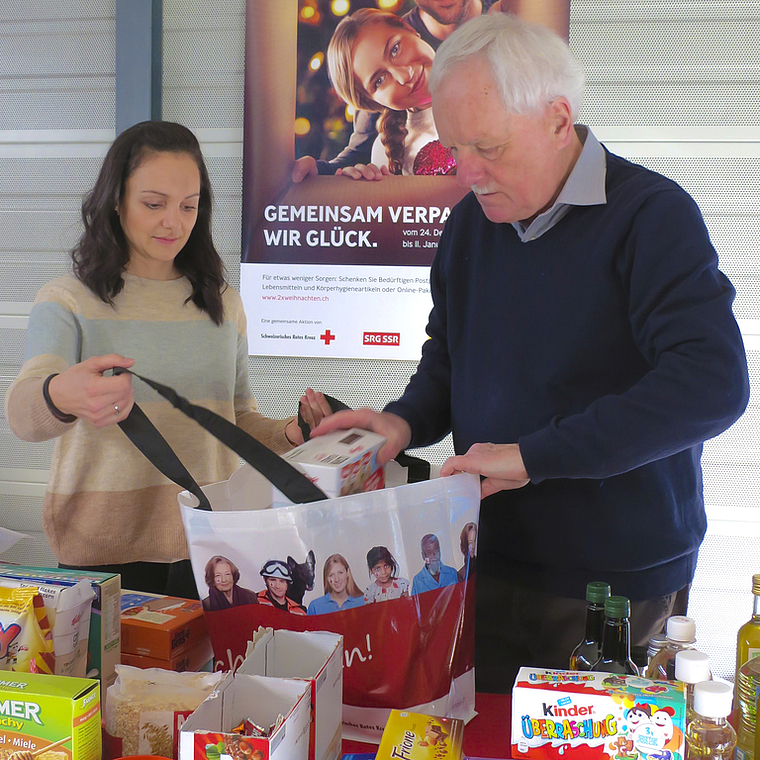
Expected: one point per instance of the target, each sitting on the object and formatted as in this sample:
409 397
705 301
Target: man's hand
304 167
500 463
396 430
83 391
363 171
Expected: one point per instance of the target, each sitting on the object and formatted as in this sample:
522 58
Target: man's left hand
500 464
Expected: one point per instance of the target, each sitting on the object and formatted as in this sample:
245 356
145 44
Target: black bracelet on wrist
54 410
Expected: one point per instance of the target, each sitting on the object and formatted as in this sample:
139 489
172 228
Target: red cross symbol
327 337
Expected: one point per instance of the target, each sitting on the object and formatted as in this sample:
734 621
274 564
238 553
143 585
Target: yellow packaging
413 736
57 716
26 641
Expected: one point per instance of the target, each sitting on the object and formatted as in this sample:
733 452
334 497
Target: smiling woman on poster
378 63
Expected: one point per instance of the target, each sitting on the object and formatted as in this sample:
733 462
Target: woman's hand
501 465
313 407
363 171
83 391
304 167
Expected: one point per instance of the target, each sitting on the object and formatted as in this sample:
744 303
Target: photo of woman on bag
277 579
387 585
222 576
341 591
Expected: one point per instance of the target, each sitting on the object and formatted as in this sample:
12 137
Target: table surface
486 735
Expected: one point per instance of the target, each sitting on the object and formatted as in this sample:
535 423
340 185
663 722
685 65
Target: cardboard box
564 714
104 641
342 462
414 736
199 657
40 711
208 731
159 626
316 658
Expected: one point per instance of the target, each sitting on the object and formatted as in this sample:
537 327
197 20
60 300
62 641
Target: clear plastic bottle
589 649
616 640
681 634
710 734
692 667
747 688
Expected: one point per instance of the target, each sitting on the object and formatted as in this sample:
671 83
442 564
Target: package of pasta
26 641
145 709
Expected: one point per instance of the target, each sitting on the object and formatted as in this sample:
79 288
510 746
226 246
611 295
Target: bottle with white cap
681 632
692 667
710 734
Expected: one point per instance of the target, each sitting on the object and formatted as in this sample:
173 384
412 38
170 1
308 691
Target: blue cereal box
571 714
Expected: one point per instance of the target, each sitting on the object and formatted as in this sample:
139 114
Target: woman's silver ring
116 409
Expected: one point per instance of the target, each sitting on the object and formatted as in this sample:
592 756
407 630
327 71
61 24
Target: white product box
316 658
341 462
260 699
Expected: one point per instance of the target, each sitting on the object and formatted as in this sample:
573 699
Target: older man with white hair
582 348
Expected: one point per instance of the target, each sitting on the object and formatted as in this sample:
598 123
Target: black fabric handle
144 435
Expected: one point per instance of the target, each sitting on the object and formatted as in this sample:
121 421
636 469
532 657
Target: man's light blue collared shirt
584 187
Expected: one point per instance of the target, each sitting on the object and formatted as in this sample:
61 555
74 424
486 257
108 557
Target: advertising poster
333 266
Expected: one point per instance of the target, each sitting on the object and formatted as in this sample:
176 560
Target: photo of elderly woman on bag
222 576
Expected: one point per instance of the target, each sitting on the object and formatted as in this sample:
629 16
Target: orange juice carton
153 625
571 714
414 736
315 657
50 717
341 462
253 717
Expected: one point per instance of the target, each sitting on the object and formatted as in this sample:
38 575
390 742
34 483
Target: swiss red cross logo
382 339
327 336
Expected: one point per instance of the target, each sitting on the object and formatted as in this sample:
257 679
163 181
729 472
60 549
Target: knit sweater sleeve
52 345
679 307
271 432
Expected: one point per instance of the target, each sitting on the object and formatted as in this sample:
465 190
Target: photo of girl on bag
341 591
277 579
387 584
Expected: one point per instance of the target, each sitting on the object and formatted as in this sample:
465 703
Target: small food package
415 736
49 717
567 714
68 611
26 639
250 718
145 709
342 462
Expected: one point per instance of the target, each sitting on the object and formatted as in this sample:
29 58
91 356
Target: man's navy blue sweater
607 348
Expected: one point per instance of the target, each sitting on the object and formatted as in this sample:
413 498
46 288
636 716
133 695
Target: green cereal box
52 717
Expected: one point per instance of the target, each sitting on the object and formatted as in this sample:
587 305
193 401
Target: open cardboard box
316 658
207 733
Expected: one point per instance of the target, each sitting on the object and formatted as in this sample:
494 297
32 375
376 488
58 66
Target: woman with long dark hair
148 290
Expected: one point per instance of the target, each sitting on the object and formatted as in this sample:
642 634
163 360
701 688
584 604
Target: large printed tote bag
389 570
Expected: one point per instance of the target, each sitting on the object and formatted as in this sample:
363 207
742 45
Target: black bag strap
144 435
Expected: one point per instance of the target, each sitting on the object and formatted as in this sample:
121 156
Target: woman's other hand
363 171
304 167
501 465
83 391
313 407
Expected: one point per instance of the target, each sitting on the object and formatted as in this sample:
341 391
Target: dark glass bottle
589 649
616 641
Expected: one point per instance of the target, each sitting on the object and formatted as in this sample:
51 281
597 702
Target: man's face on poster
446 11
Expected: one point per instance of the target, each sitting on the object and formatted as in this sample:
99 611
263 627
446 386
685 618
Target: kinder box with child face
51 717
342 462
279 704
568 714
315 657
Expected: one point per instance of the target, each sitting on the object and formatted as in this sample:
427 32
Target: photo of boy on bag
277 579
387 584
